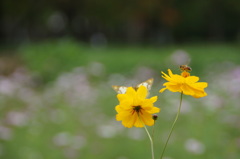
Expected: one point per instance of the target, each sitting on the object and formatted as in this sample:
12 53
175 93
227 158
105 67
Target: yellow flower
184 83
134 109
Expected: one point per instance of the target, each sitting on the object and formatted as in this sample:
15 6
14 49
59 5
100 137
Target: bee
122 89
185 68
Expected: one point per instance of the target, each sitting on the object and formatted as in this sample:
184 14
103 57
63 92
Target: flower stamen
137 109
185 74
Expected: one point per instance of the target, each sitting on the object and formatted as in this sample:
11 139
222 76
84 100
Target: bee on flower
185 68
184 83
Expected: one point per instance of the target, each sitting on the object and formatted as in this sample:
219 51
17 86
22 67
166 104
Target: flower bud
154 116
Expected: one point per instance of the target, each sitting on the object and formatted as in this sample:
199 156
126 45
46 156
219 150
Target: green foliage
49 59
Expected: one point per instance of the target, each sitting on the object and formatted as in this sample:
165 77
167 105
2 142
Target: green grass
49 59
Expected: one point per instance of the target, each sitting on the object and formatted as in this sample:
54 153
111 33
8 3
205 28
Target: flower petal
142 92
138 123
165 76
118 108
187 90
154 110
129 121
161 90
192 79
201 84
153 99
174 88
170 73
121 97
131 93
199 95
147 118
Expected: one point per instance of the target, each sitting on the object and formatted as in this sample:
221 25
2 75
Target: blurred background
59 58
141 21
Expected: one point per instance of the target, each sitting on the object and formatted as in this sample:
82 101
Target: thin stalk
173 125
150 138
153 131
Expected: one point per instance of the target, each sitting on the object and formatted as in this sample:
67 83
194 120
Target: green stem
176 118
150 138
153 131
151 141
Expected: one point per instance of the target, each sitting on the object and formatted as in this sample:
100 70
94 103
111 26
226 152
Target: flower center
137 108
185 74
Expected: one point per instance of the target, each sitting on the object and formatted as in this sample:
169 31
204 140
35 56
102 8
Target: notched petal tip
121 96
170 72
130 90
118 118
164 75
200 95
161 90
154 99
142 92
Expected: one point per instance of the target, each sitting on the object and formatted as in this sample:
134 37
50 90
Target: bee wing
120 89
148 84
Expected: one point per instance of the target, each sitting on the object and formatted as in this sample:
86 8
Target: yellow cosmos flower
184 83
134 109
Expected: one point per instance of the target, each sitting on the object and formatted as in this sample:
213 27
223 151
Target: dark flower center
137 108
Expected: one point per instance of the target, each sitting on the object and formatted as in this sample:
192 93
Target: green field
57 101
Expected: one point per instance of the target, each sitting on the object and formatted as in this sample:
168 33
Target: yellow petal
118 117
161 90
138 123
174 88
153 99
177 79
146 104
192 79
165 76
171 83
198 91
187 90
200 94
154 110
121 97
122 114
142 92
147 118
170 73
130 120
201 84
118 108
131 93
125 99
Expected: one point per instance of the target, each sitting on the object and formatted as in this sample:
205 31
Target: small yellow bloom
134 109
184 83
